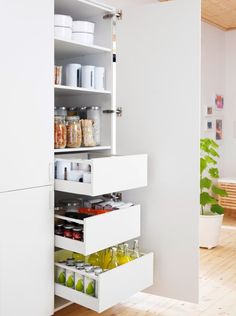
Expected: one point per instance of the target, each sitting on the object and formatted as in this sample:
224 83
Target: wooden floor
217 288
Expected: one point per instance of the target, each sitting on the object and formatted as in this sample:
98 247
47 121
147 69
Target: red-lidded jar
68 231
78 233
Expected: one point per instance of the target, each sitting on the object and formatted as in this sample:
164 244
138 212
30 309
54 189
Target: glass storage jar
60 110
74 132
82 112
94 114
59 132
72 111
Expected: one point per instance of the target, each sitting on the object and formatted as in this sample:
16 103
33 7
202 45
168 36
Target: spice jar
59 132
94 114
73 111
68 233
77 233
74 133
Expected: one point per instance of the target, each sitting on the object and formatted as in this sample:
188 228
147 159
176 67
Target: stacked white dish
83 32
63 26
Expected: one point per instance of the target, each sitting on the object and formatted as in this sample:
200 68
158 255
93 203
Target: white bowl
62 20
84 38
63 32
83 27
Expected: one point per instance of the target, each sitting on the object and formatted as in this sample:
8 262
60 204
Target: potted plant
212 213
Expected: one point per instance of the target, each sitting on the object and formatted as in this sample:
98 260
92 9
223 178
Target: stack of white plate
63 26
83 32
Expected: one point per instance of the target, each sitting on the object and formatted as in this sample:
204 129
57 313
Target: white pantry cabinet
26 79
26 252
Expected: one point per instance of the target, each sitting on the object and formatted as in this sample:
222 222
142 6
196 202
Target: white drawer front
109 174
114 286
104 231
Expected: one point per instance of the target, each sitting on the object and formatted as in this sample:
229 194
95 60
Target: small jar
68 231
94 114
59 132
61 111
59 230
73 111
77 233
74 133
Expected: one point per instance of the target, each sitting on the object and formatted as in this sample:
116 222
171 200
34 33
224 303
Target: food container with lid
94 114
63 32
59 132
74 132
63 20
83 38
72 111
99 78
83 27
60 111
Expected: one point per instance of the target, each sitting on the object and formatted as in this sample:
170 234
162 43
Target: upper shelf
81 9
66 90
69 49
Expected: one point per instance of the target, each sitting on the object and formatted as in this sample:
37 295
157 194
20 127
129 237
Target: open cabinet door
158 86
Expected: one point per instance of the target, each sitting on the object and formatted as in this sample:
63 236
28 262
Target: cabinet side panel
26 252
26 81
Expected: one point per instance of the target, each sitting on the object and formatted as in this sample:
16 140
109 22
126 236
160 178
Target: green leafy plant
208 175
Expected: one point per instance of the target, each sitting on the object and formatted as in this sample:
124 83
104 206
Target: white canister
99 78
87 177
73 75
83 27
74 175
63 32
83 38
62 169
88 77
63 20
84 167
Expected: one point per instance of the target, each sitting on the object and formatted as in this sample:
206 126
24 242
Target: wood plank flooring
217 288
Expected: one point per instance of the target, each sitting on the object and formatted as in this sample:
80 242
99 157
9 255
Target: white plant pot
209 230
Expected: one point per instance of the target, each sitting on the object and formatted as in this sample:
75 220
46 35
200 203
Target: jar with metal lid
60 110
74 132
72 111
78 233
59 132
82 112
59 230
68 231
94 114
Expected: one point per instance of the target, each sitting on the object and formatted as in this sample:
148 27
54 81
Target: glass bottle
114 262
125 258
94 259
106 258
135 251
120 252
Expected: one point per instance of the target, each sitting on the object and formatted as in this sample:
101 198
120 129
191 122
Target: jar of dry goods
73 111
94 114
74 133
87 128
59 132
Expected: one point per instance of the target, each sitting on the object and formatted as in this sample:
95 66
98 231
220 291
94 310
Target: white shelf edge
78 89
73 220
77 44
81 149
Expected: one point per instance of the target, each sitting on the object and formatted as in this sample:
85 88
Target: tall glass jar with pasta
59 132
74 132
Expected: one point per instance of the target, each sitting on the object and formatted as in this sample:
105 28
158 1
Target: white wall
229 154
219 76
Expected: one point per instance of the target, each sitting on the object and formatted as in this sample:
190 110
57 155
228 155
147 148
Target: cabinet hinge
118 14
118 111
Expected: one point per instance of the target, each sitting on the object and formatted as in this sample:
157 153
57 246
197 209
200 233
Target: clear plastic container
74 132
59 132
94 114
60 111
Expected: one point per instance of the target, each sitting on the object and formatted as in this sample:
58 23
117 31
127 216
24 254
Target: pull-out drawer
103 231
108 174
113 286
